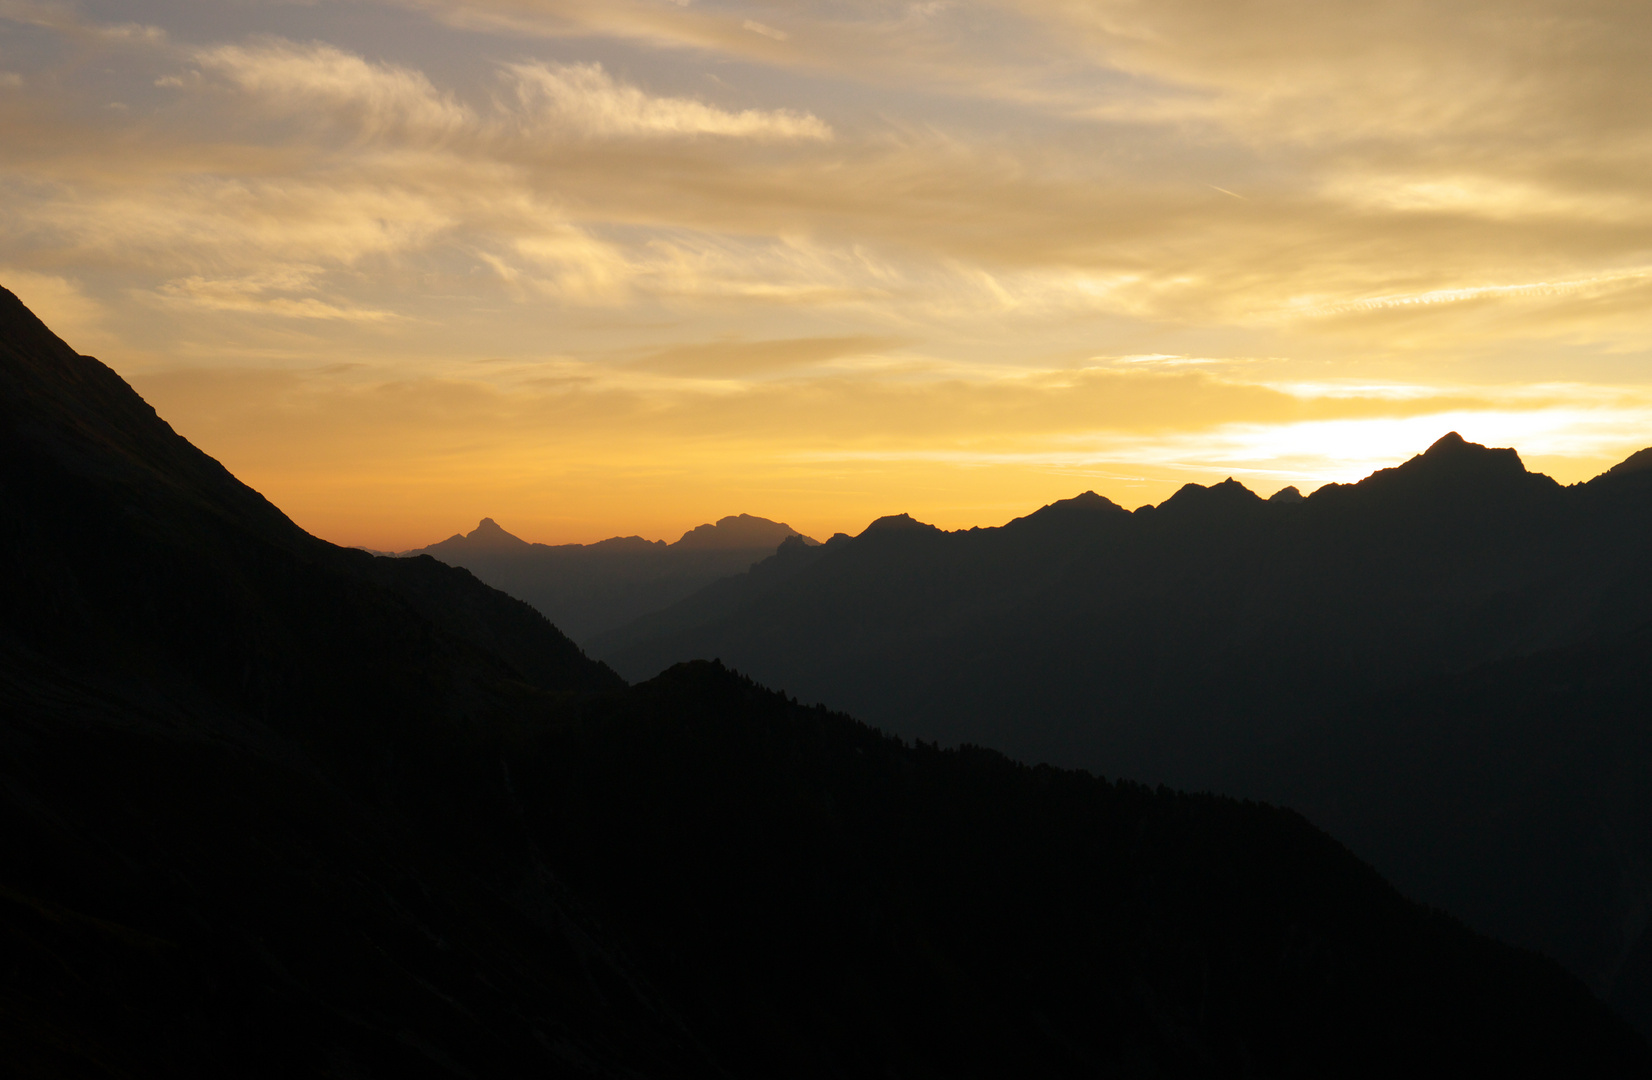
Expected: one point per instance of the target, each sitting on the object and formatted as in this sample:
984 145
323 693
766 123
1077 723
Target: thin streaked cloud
591 101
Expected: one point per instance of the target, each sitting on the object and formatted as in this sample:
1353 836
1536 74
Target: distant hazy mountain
588 588
1277 649
274 808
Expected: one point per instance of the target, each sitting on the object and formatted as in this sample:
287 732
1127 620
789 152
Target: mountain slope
1517 795
271 808
216 731
956 914
1376 655
1166 642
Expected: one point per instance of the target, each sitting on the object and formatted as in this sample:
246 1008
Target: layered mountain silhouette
272 807
589 588
1274 649
1213 600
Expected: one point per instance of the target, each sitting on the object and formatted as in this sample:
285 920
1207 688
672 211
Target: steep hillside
273 808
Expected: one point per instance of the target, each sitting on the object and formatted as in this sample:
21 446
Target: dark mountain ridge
1277 650
1046 636
589 588
275 808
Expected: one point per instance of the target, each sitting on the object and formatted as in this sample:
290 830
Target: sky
614 267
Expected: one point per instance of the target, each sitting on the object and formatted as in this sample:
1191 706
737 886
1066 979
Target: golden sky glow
624 266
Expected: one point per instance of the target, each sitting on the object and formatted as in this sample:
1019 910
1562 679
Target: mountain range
273 807
1442 664
586 589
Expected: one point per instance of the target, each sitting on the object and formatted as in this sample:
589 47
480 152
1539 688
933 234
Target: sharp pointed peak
1447 443
488 534
1229 492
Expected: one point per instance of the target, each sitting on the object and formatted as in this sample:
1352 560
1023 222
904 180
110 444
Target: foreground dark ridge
273 808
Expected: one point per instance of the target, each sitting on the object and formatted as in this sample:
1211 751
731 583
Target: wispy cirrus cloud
579 98
286 292
300 79
65 18
591 101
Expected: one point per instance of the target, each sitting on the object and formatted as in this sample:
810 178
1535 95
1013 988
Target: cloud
1531 290
299 79
586 98
267 293
564 261
201 220
767 31
734 359
63 19
676 26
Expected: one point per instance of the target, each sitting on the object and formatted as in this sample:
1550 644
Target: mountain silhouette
1206 641
273 807
486 537
1639 460
1047 634
589 588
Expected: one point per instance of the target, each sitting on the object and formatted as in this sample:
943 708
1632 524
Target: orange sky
597 268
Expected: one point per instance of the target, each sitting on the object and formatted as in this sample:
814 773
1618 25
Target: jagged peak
1447 443
1085 500
1453 457
1229 493
1454 449
1086 503
488 533
1451 464
899 523
737 531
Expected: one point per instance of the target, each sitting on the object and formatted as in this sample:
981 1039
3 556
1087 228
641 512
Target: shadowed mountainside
1133 642
1517 796
588 588
275 808
1277 650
